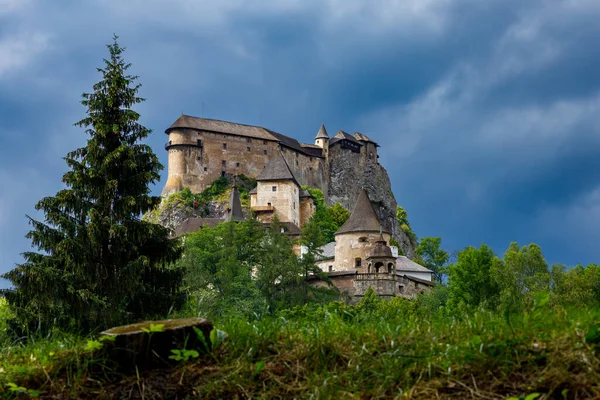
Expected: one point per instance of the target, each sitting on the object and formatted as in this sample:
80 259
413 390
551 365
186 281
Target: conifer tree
98 263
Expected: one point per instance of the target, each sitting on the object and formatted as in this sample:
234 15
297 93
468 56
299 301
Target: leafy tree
432 256
469 280
329 219
99 264
219 263
576 286
280 276
339 214
521 273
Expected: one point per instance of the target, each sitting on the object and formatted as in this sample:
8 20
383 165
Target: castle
344 167
200 150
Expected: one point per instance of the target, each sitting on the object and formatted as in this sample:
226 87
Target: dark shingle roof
312 149
277 170
304 193
235 206
232 128
322 134
253 191
214 125
362 137
341 135
363 217
194 224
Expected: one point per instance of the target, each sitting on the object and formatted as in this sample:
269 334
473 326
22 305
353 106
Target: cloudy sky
488 112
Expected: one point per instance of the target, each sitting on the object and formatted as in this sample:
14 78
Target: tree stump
149 344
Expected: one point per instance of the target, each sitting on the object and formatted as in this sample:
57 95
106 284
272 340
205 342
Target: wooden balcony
263 208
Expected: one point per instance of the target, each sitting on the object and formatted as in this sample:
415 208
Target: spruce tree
98 263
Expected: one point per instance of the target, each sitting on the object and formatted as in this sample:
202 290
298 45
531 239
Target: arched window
378 266
390 268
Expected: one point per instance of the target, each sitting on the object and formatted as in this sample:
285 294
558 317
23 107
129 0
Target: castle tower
322 139
358 236
277 192
380 259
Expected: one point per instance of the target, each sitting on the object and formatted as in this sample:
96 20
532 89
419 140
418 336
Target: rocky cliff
349 174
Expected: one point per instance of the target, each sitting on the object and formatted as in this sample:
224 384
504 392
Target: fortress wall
348 248
198 167
307 170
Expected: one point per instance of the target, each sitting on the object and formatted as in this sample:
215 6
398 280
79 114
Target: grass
378 350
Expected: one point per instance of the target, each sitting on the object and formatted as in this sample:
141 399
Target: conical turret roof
235 206
322 134
277 170
363 217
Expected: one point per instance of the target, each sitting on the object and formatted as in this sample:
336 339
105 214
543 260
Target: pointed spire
363 217
235 206
322 134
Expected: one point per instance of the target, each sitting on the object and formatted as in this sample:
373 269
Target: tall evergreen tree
99 264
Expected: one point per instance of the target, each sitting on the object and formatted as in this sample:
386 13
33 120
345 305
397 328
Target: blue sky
488 112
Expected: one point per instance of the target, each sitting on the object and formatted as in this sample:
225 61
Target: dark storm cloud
487 111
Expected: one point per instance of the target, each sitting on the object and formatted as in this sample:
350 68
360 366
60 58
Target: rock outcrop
348 176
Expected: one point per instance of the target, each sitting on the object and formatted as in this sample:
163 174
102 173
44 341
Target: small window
362 239
223 163
330 268
265 152
224 146
248 148
222 173
199 143
358 262
274 188
294 204
205 169
199 158
268 204
248 140
371 155
170 142
296 163
237 164
264 142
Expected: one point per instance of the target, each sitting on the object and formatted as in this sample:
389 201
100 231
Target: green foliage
99 265
577 285
183 355
15 389
521 273
328 219
247 269
154 328
5 316
433 256
402 218
374 349
470 282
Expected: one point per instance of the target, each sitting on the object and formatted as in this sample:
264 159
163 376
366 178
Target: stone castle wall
198 158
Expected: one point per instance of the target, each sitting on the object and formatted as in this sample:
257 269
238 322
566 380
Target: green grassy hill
376 349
